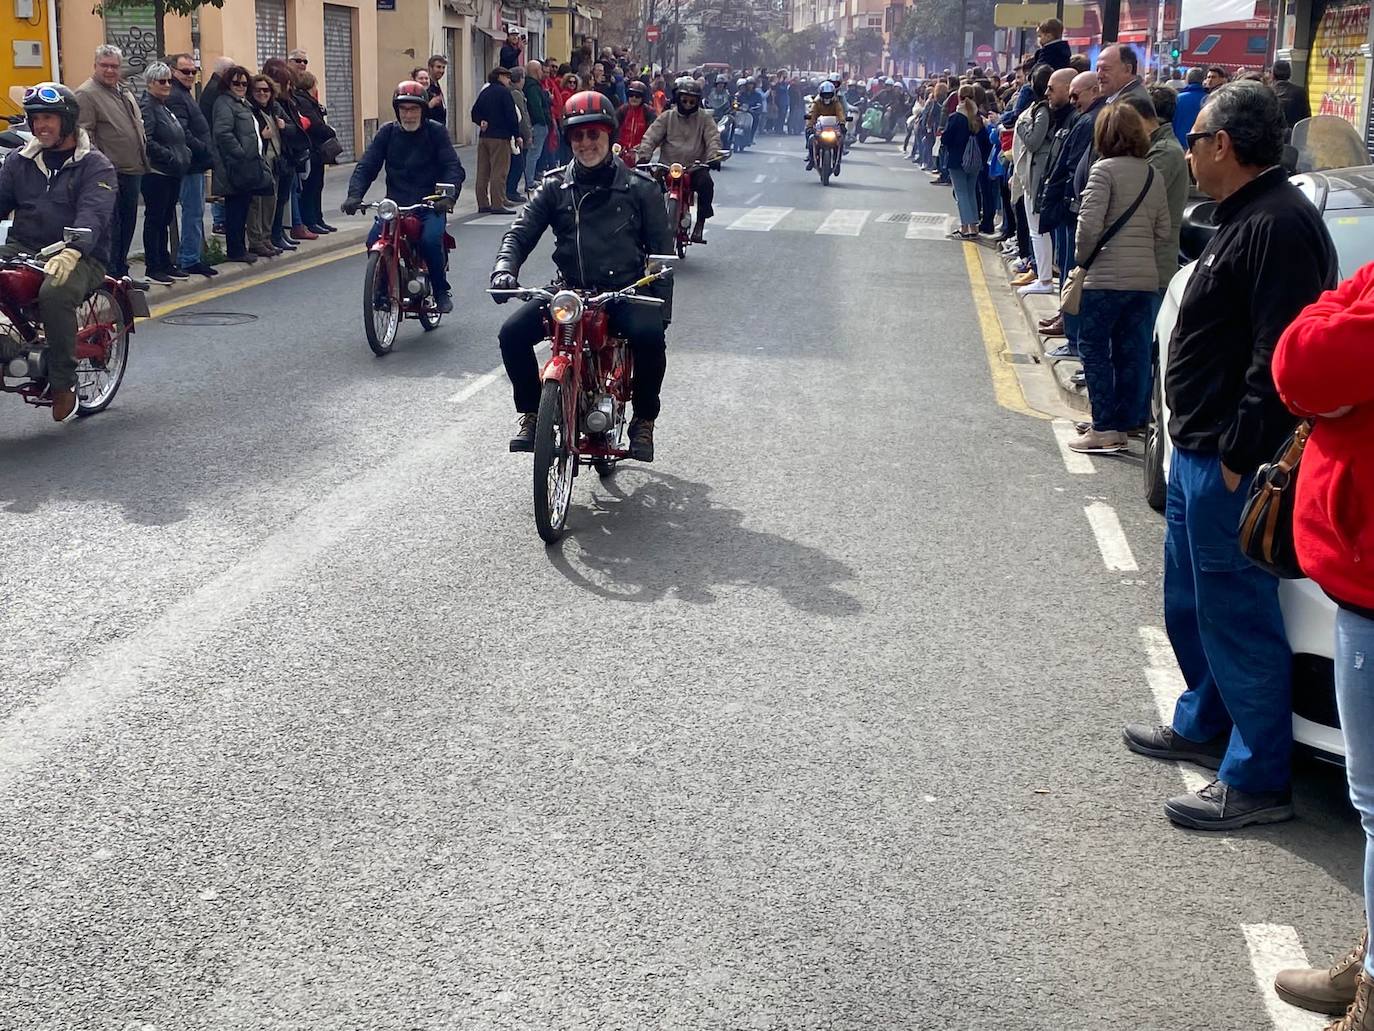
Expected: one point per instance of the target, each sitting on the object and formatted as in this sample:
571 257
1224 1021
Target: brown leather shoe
64 405
302 233
1360 1015
1329 990
1025 278
1054 328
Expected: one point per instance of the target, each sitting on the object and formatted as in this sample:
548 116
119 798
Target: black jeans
640 324
160 194
122 223
236 224
284 183
1023 231
312 193
705 189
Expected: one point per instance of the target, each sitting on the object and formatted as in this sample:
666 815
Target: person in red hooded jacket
1324 370
635 117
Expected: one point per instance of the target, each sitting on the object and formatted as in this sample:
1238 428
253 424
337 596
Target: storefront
1338 67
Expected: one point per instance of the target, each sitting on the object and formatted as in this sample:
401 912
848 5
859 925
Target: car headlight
388 209
566 307
675 171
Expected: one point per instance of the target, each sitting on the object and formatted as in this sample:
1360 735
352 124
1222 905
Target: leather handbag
330 150
1071 297
1266 522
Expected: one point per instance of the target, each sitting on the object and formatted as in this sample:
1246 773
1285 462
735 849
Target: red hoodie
1324 362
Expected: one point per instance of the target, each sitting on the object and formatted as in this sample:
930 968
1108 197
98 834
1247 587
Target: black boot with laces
523 441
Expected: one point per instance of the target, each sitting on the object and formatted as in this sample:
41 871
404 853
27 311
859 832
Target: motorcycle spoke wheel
554 465
97 381
380 322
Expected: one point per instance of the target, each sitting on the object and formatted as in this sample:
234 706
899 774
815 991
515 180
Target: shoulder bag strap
1116 226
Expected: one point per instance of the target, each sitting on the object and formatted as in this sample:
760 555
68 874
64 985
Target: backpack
972 162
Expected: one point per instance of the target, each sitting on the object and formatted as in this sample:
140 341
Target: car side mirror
1199 226
70 234
447 189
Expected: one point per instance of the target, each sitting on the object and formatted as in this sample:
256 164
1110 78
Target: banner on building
1197 13
1336 69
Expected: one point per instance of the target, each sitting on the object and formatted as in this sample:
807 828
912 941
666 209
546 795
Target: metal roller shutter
271 30
134 30
338 74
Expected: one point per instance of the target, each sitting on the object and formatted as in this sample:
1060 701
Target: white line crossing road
1166 684
760 220
1274 947
1111 540
843 222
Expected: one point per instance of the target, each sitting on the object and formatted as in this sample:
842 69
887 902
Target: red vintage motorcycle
396 285
582 403
104 321
679 198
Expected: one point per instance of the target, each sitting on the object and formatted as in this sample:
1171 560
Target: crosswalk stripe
760 220
843 222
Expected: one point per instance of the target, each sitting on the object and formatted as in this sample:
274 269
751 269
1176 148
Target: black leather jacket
603 234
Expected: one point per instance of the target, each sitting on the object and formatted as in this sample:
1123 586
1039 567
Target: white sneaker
1038 287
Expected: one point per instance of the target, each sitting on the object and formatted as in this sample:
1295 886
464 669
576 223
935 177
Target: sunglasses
578 135
300 60
262 89
185 71
162 82
239 82
1193 137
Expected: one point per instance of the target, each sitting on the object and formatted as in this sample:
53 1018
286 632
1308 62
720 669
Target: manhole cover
919 218
208 318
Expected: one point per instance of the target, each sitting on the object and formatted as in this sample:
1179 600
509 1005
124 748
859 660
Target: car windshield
1353 234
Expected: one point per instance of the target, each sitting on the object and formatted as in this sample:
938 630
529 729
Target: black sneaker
202 269
1219 807
810 165
177 272
1161 742
444 302
161 277
642 440
523 441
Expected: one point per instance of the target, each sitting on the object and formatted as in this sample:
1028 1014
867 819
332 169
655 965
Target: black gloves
503 281
444 205
351 205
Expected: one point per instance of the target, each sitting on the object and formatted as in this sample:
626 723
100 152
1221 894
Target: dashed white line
844 222
1272 948
760 220
1166 684
1111 539
1064 433
753 200
760 178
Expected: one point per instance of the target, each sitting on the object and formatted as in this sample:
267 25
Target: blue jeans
431 247
1223 618
1114 342
1063 254
1355 700
966 193
534 161
192 225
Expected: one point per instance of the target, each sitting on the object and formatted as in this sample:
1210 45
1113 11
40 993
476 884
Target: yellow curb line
255 280
1005 385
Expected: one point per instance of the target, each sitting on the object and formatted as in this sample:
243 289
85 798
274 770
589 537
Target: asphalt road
813 723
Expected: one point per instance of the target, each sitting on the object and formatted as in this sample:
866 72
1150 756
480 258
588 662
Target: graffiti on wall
1335 81
134 30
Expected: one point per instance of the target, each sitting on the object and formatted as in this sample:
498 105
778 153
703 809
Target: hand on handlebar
59 267
351 205
504 281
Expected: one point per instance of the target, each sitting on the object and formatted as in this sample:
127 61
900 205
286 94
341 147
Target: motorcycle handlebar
526 293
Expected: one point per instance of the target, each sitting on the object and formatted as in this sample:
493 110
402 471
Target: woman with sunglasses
169 158
241 170
263 207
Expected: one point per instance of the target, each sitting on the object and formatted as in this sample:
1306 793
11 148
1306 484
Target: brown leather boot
1329 990
302 233
1360 1015
64 405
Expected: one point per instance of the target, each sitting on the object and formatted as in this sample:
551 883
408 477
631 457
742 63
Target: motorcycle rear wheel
380 324
554 466
97 384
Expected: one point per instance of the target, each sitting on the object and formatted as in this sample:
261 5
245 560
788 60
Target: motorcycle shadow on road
643 535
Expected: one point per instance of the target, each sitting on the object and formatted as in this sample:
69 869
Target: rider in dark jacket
418 155
606 221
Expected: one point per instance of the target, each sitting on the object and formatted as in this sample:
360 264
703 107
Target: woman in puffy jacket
261 96
1324 369
324 147
240 168
1122 282
169 157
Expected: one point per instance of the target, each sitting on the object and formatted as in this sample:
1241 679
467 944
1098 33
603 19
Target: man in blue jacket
418 155
1190 99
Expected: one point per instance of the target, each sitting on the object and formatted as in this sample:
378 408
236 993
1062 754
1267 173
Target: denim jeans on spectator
217 214
966 193
535 158
1224 622
1063 254
1355 701
515 178
431 247
1114 343
192 224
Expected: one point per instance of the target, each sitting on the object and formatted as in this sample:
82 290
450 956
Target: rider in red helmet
418 155
606 220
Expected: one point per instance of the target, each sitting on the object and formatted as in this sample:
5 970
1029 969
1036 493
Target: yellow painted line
246 282
1005 386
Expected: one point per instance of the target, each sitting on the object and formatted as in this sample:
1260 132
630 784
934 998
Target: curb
1033 309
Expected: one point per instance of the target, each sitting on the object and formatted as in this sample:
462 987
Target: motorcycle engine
11 343
416 283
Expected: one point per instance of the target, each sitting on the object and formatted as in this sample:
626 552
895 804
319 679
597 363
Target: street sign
651 33
1029 16
983 55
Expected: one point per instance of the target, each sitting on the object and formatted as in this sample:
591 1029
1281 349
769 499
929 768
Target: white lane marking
753 200
1274 947
844 222
94 688
775 159
480 383
1166 684
491 220
760 220
1111 539
760 178
1064 433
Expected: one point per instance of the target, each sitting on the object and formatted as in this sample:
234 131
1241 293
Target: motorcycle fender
556 369
381 243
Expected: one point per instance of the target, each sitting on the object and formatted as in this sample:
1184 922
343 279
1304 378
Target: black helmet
636 89
687 86
52 98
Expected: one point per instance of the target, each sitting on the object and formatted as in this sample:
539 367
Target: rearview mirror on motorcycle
448 190
70 234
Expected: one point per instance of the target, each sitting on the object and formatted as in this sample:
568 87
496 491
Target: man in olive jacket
112 119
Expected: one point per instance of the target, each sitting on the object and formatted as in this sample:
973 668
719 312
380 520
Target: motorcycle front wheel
381 304
554 465
826 165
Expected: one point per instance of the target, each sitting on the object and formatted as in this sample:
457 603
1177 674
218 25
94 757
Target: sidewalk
352 232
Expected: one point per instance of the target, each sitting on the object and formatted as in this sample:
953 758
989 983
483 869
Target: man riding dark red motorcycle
418 155
686 135
59 181
607 220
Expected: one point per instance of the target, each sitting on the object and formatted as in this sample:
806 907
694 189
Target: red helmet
589 108
408 92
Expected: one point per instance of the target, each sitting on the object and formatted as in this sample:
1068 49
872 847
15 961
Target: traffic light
1175 53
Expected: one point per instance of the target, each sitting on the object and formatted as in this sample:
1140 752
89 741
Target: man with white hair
112 119
298 59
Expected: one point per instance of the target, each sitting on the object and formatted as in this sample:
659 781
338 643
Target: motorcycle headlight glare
566 307
388 209
676 170
828 135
